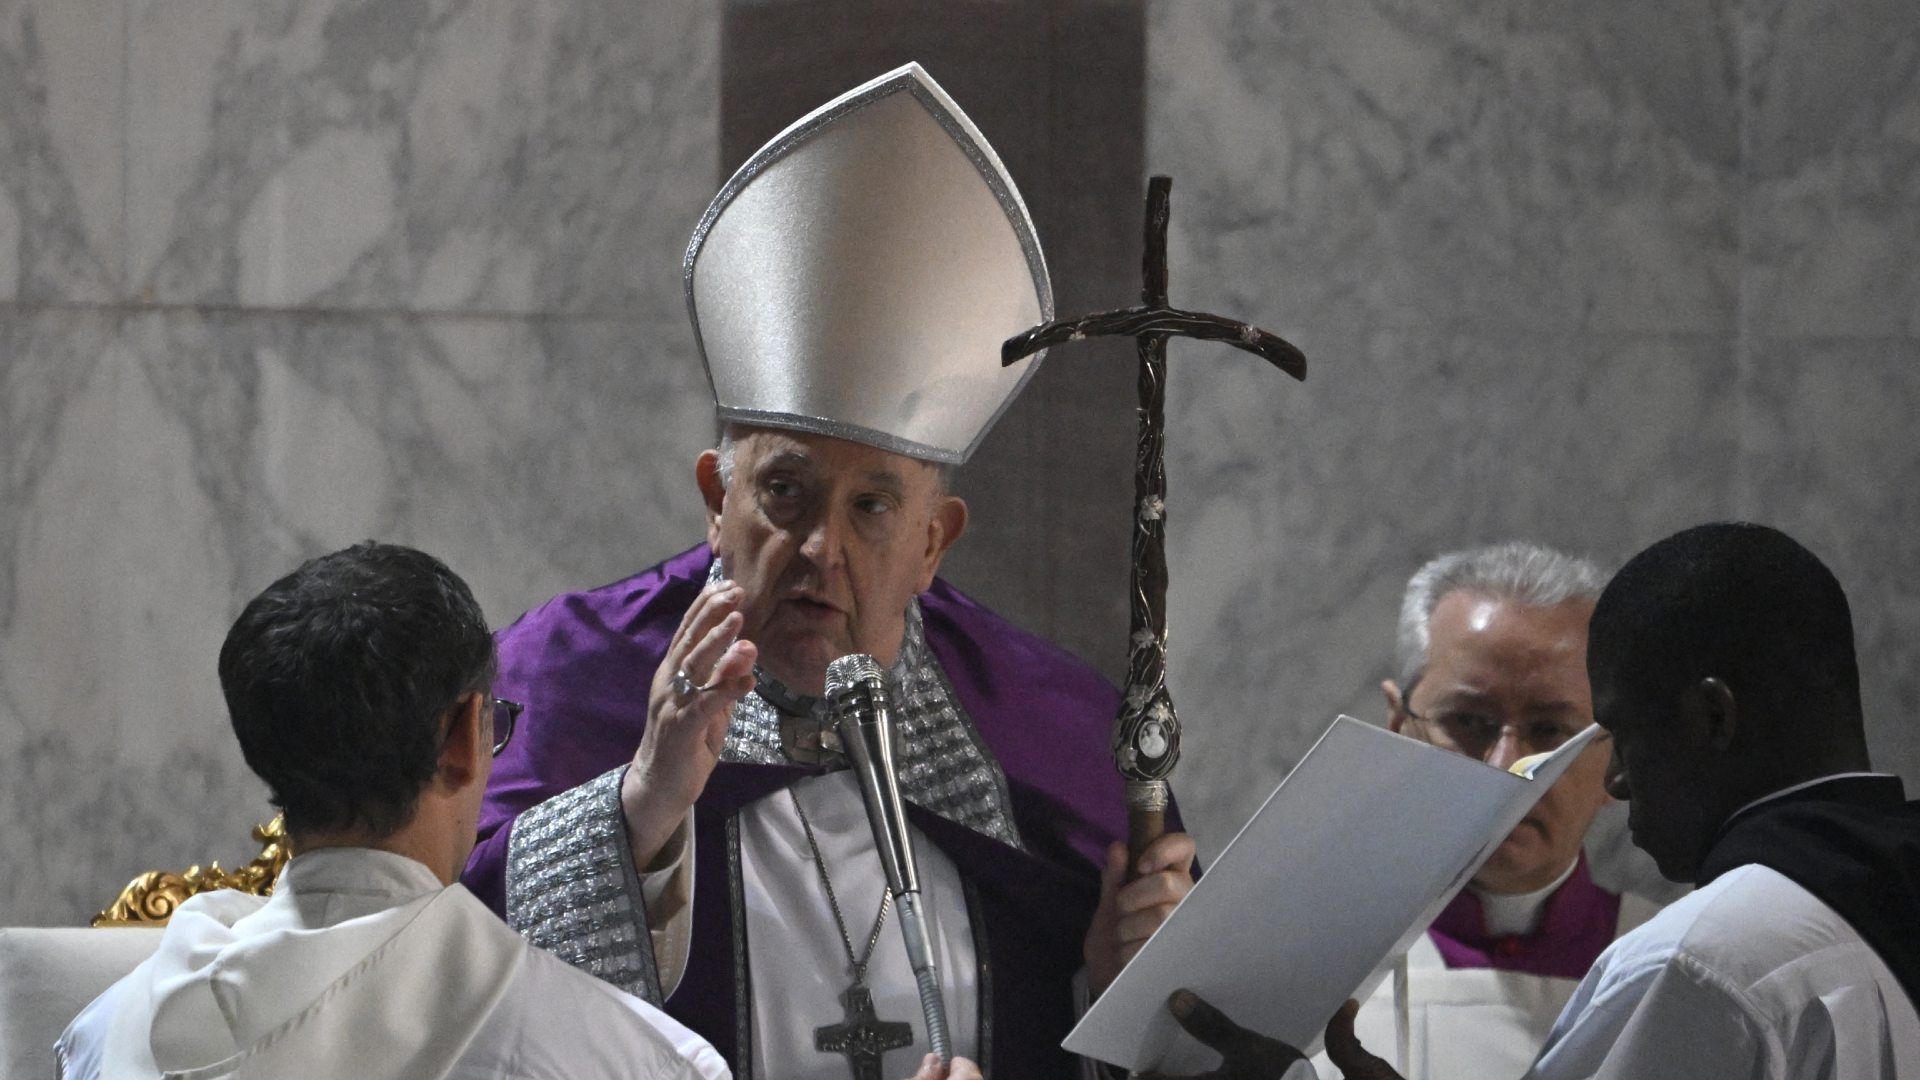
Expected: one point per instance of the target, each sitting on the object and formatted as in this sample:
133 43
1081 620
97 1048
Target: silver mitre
857 275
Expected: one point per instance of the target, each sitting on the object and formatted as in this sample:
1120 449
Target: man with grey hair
1491 663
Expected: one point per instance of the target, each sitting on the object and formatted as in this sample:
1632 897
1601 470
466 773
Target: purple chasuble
583 663
1576 926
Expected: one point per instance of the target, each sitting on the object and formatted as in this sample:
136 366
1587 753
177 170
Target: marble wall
279 276
1585 273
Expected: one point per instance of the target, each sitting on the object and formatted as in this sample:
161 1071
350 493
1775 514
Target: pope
675 816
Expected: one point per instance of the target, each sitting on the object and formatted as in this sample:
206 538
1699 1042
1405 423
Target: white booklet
1344 866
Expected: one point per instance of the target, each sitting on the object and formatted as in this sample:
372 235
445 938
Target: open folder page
1346 864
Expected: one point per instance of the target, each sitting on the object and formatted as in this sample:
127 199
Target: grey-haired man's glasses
1475 732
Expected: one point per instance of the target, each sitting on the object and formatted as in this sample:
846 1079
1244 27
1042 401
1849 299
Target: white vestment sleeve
77 1053
1671 1021
666 893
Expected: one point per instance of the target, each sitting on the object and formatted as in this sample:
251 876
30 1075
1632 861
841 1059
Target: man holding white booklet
1721 662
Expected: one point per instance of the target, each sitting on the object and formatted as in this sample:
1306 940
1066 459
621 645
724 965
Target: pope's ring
685 687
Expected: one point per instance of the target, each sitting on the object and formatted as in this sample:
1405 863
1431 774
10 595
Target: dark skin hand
1249 1055
1344 1048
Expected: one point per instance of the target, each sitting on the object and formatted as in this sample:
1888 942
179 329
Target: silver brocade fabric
572 889
943 766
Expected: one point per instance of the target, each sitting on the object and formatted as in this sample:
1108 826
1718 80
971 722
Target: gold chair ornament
150 899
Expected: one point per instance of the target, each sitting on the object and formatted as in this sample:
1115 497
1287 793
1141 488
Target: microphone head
850 671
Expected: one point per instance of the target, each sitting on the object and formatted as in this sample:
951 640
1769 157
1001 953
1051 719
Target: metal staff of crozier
1146 734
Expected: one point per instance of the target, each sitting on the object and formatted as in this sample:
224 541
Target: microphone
857 699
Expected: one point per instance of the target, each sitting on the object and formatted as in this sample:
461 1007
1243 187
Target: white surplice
1752 977
362 965
1476 1023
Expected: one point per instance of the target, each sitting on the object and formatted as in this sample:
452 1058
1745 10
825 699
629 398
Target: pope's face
829 540
1504 680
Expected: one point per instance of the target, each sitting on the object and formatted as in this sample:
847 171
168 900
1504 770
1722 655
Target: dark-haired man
359 688
1722 664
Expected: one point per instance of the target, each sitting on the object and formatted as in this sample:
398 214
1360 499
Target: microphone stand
857 697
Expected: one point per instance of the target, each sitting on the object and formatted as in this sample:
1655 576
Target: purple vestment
1576 926
583 663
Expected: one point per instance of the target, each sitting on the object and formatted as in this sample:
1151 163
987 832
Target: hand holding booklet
1345 865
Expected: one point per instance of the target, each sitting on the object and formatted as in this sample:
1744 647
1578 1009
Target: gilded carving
150 899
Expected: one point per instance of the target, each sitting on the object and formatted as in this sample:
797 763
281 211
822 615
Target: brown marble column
1058 87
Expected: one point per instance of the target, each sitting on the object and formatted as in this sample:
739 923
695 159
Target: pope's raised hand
707 668
1130 911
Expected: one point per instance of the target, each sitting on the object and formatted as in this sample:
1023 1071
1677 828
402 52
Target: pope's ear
948 522
713 491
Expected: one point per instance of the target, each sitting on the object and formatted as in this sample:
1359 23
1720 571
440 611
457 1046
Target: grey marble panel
482 156
1297 511
531 454
1832 164
62 150
1830 455
113 749
1554 167
165 467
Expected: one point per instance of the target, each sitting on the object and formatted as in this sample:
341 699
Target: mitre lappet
856 277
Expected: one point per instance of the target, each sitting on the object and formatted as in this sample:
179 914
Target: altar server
1722 663
360 689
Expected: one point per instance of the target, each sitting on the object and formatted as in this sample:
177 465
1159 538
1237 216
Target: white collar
1518 914
358 870
1804 785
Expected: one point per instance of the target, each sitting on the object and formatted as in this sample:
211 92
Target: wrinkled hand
1244 1055
959 1069
1346 1053
1129 913
686 732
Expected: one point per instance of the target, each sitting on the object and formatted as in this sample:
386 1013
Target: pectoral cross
864 1037
1146 735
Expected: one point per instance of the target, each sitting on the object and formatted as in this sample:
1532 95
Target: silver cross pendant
863 1036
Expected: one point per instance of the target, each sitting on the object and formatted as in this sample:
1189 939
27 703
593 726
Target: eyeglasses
1475 733
504 714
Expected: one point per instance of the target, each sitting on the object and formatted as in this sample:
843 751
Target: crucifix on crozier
1146 734
863 1037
